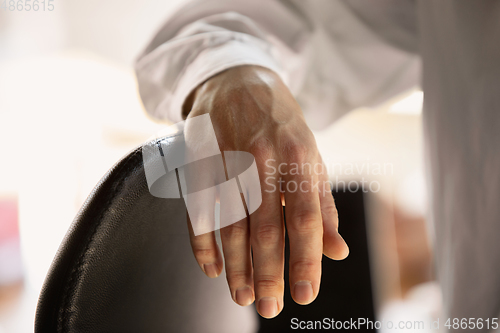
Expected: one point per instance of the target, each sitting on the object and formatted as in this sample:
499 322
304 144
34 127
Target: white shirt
337 55
329 58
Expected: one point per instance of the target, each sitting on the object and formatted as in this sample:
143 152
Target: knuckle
269 282
234 232
261 148
204 253
304 266
329 210
305 221
268 234
295 151
236 276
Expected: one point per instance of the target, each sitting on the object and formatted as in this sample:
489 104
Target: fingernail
244 296
211 270
268 307
303 292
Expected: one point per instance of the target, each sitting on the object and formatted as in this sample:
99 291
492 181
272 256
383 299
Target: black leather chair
125 266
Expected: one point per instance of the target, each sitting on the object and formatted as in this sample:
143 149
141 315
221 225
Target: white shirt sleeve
205 38
328 56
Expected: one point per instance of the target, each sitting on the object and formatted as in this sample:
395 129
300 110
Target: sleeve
204 38
362 53
334 55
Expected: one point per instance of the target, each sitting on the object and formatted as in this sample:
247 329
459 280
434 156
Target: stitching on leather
64 315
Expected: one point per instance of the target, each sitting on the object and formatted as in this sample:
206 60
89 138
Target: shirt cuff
210 62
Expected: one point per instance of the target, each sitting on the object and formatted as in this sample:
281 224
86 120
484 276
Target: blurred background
69 109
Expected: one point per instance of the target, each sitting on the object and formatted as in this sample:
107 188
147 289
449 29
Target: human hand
252 110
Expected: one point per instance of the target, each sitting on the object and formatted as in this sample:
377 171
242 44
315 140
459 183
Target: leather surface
126 265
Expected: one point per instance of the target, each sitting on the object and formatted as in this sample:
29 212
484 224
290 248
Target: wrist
249 77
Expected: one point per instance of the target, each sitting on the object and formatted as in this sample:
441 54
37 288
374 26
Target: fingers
334 246
239 272
312 225
305 234
206 252
268 247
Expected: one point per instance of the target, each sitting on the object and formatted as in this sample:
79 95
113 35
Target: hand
252 110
